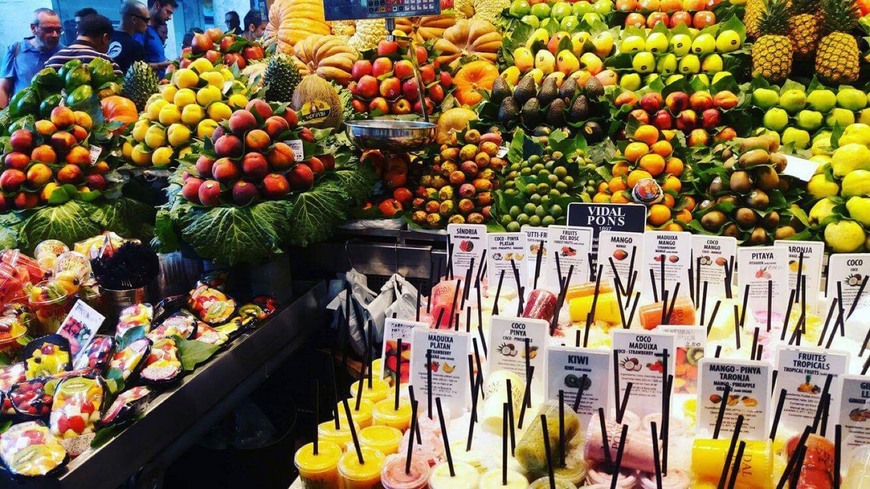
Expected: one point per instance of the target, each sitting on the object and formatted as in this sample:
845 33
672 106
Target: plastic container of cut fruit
51 312
11 329
17 259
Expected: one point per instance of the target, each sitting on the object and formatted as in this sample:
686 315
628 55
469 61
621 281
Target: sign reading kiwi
566 367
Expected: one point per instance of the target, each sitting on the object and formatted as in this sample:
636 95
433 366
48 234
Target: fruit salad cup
51 303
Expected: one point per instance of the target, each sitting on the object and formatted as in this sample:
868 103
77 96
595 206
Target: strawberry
77 424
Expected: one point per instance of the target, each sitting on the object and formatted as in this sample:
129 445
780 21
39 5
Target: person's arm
6 87
160 65
7 76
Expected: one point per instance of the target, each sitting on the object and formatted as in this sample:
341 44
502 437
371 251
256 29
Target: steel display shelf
178 417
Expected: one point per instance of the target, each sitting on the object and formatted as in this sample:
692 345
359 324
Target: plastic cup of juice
708 457
385 414
683 314
544 483
321 470
327 432
363 416
378 391
467 477
676 479
393 474
493 479
383 438
354 475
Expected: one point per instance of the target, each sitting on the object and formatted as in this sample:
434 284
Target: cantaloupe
317 103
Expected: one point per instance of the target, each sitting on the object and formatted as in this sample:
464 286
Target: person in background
123 48
25 58
163 33
254 25
95 33
81 14
160 13
233 22
71 26
188 38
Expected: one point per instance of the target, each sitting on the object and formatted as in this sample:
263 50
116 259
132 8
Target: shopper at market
233 21
163 33
123 48
25 58
71 26
92 42
155 54
254 25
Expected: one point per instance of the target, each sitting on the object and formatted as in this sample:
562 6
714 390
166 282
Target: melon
317 104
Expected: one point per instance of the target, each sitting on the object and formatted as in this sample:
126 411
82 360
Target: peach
663 119
241 122
244 193
44 153
651 102
360 69
328 161
687 120
381 67
226 43
96 182
641 115
21 140
201 43
257 140
228 146
410 89
38 174
259 107
217 133
12 179
213 56
79 132
78 155
422 54
291 117
225 171
403 69
626 98
62 141
255 166
70 174
62 117
209 193
427 73
275 126
203 166
190 189
275 186
711 118
379 104
83 119
301 177
316 165
46 191
26 200
701 101
677 102
391 88
16 160
280 157
725 100
100 168
45 127
386 48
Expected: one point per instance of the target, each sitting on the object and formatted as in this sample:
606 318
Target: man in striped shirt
95 34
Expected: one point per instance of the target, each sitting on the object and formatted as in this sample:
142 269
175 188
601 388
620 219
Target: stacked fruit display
189 107
567 15
219 47
388 85
54 152
671 13
398 174
458 187
747 197
251 161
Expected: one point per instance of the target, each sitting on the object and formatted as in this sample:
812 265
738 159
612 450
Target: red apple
410 89
445 79
711 118
681 17
379 104
360 69
655 18
422 54
436 93
401 107
403 69
391 88
386 48
367 87
687 120
381 67
201 43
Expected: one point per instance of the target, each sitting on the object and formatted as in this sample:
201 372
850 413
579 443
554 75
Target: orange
672 183
674 166
690 203
601 198
620 169
603 187
647 133
658 214
617 183
669 134
668 200
652 163
673 227
621 197
662 148
636 176
635 150
684 215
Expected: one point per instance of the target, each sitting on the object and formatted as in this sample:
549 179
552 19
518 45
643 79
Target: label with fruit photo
748 384
803 373
566 367
854 414
805 261
674 250
763 269
690 342
536 239
850 270
641 362
506 251
508 337
573 245
446 353
80 326
626 251
395 330
468 241
718 254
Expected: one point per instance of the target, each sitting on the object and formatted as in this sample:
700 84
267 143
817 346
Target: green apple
581 8
630 81
822 100
531 20
603 7
644 62
776 119
712 63
632 44
540 10
570 22
690 64
560 10
798 138
727 41
855 133
765 98
520 8
793 100
681 44
841 117
851 99
704 44
810 120
667 64
592 18
657 42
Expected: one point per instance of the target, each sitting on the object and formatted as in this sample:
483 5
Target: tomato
390 207
403 195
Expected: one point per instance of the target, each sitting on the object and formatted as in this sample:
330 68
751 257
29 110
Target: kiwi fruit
758 236
713 220
716 186
740 182
758 199
766 178
784 232
746 217
771 220
730 230
730 199
704 204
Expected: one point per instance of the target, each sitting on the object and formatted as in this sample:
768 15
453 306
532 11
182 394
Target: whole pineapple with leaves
772 52
752 17
281 78
804 27
838 57
140 83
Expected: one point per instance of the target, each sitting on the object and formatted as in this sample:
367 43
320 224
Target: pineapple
140 83
281 78
752 17
837 57
804 28
772 52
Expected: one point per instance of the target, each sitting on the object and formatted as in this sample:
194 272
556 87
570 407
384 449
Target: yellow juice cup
363 416
383 438
321 470
466 476
379 390
327 432
354 475
708 457
385 414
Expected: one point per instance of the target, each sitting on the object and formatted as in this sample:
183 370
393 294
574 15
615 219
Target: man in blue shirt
161 12
27 57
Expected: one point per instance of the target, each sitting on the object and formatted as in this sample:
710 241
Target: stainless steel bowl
391 135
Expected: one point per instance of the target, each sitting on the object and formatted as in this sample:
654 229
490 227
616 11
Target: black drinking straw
842 312
619 302
713 316
737 461
510 403
616 396
414 428
793 461
745 304
429 383
721 414
704 304
864 345
481 269
718 351
769 304
776 414
656 460
466 287
590 260
519 286
479 306
417 317
527 349
858 296
605 444
691 285
632 275
539 258
527 396
335 395
820 410
823 430
652 279
580 390
558 266
444 436
467 319
800 272
473 419
727 465
472 379
619 287
504 444
773 377
497 293
664 306
633 309
838 447
431 277
479 364
316 417
760 352
560 301
666 425
546 435
673 302
449 271
697 292
736 327
597 290
353 434
786 319
414 403
398 374
662 290
866 365
754 344
622 407
359 385
620 449
828 321
561 428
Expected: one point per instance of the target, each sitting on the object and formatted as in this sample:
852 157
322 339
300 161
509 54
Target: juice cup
606 308
467 477
496 396
598 475
354 475
321 470
493 480
385 414
544 483
676 479
383 438
859 470
393 474
379 390
683 314
363 416
708 457
326 431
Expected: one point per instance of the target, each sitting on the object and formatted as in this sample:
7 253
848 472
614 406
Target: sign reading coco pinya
508 336
717 254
